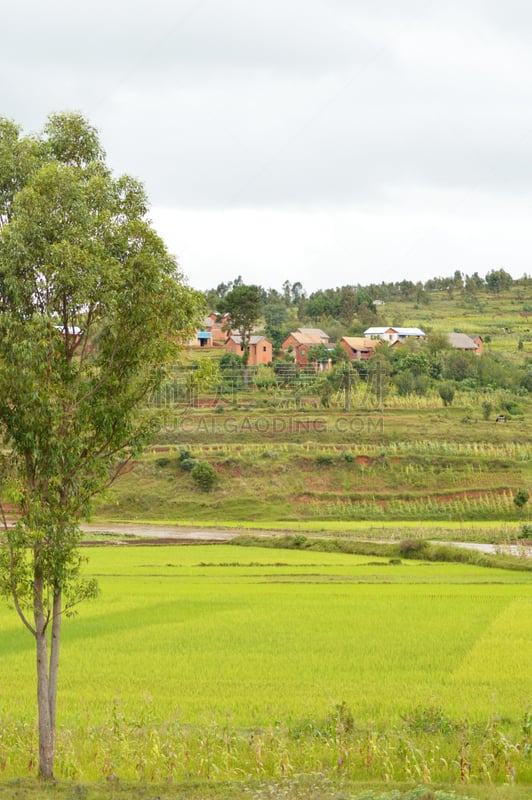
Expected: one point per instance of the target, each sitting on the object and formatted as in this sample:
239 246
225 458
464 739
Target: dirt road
187 535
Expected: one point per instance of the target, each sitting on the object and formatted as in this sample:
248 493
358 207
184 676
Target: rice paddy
200 650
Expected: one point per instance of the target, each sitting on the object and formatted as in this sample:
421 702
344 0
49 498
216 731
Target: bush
324 461
521 498
410 548
299 540
487 409
446 392
204 475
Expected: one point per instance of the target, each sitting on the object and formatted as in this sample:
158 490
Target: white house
394 335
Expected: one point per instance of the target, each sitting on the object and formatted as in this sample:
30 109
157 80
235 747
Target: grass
291 483
251 664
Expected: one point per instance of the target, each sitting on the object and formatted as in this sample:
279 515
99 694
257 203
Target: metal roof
399 331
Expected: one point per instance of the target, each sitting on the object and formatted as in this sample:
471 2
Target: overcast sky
323 141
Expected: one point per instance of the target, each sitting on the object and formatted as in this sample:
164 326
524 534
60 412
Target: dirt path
169 533
174 534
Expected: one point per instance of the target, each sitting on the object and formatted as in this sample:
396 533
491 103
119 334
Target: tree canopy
243 303
92 306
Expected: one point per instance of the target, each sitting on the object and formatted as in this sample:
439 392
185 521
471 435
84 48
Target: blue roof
204 335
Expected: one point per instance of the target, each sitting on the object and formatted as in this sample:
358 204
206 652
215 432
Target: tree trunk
54 659
46 718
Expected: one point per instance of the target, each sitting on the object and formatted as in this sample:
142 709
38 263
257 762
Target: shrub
324 461
526 531
204 475
521 498
299 540
446 392
487 409
412 547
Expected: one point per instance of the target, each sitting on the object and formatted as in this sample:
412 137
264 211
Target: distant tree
92 307
446 391
474 282
205 475
521 498
298 293
243 304
414 362
498 280
348 305
459 365
436 342
275 316
411 381
487 409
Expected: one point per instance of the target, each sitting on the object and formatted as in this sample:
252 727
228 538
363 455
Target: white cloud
309 139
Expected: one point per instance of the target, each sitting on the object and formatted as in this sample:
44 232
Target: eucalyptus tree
92 306
244 304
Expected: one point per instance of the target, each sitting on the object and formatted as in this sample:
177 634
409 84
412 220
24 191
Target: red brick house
300 341
214 331
219 326
359 348
260 348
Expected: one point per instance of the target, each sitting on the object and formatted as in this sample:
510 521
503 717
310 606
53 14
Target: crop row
427 507
426 747
521 451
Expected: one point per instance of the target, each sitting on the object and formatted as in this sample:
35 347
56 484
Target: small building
213 332
359 348
462 341
314 332
218 326
394 335
260 348
301 340
201 339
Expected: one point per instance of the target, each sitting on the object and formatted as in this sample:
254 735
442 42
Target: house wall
217 334
260 353
290 341
233 347
356 355
301 354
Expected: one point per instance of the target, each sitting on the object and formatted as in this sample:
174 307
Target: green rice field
205 651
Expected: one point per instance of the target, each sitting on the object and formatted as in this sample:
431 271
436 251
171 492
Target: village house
463 341
213 332
359 348
299 342
394 335
260 348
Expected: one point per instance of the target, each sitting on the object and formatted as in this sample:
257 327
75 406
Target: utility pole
348 388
